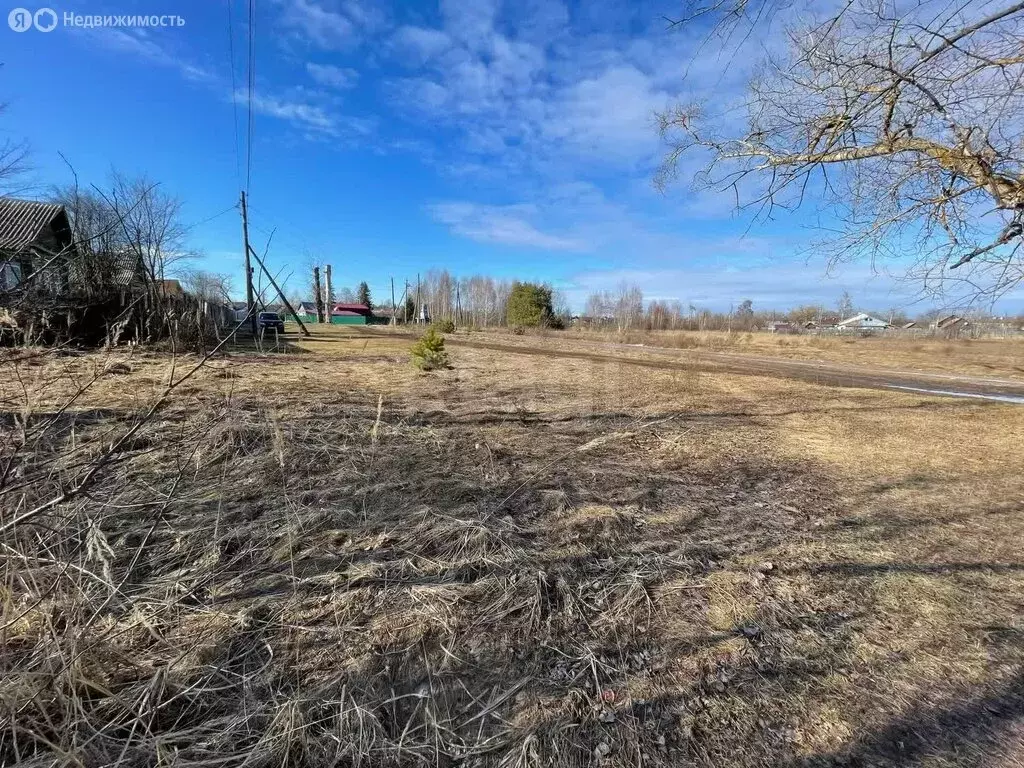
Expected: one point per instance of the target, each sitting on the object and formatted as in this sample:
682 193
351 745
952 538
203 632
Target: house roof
359 309
862 317
854 319
347 313
22 221
171 287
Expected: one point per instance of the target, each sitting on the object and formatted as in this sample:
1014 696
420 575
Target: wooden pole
284 298
319 296
328 293
394 308
419 307
250 305
458 305
405 303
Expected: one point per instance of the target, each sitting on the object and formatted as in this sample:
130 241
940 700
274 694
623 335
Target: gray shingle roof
21 221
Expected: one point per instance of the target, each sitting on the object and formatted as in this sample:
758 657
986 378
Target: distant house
908 326
863 321
36 245
593 321
384 314
170 288
951 322
351 314
822 323
781 326
306 310
241 310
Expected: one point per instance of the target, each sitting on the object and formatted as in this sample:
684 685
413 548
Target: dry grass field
326 557
1002 357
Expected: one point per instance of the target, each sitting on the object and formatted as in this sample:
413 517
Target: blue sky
514 139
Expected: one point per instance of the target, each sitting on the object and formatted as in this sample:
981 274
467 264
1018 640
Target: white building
863 321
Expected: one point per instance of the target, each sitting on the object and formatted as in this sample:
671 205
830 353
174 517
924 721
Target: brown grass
1003 357
330 558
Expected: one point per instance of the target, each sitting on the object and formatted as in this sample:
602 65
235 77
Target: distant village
57 284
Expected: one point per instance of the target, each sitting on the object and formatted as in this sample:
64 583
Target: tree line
477 300
131 226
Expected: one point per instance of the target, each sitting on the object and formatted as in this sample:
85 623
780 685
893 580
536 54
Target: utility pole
280 293
328 293
250 305
319 295
405 304
419 307
458 305
394 307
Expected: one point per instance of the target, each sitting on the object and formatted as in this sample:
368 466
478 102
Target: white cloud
609 115
140 43
331 28
503 225
423 93
471 21
331 76
534 95
310 117
417 45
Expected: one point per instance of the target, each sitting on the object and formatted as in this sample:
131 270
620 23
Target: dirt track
828 374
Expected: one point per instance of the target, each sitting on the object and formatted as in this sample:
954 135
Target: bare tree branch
918 109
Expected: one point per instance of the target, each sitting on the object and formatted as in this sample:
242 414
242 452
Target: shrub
444 326
428 353
518 330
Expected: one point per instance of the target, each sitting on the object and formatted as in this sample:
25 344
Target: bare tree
102 259
845 306
629 305
151 224
13 161
209 286
561 304
600 305
906 117
129 232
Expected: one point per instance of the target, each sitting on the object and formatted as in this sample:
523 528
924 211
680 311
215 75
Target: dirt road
827 374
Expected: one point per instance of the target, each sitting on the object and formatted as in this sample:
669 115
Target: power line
215 216
234 90
252 90
291 230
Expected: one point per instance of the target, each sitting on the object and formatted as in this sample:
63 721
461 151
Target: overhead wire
251 92
233 207
234 90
